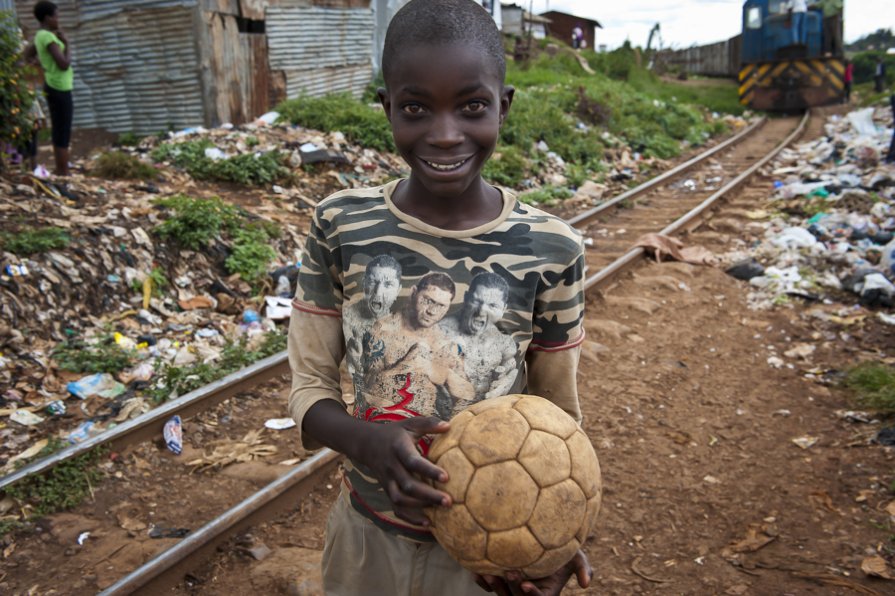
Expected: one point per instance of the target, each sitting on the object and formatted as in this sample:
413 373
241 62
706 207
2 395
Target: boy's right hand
391 454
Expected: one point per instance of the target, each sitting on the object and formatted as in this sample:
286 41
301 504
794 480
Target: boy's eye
412 108
475 106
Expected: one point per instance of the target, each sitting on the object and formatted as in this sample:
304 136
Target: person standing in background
53 50
879 75
847 79
798 9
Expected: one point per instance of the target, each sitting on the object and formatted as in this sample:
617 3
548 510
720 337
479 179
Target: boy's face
446 104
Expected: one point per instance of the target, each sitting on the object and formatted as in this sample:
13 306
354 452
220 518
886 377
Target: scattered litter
173 435
82 538
101 384
280 423
26 418
806 441
276 308
161 532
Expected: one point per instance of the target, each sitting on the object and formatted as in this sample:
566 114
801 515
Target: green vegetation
172 381
247 168
546 195
117 165
128 139
101 356
506 166
878 40
15 95
359 122
63 486
873 385
196 222
29 241
865 66
251 253
158 282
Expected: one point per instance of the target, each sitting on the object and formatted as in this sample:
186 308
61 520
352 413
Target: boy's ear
506 100
385 101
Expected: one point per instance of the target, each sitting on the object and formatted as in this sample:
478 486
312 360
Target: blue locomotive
791 61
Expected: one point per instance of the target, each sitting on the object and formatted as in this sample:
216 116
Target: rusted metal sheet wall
321 50
136 63
721 59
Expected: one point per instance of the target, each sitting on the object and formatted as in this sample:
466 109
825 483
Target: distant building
518 21
562 24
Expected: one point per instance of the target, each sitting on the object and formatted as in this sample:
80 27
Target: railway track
674 202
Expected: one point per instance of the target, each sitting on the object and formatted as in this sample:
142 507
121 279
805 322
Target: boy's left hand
514 585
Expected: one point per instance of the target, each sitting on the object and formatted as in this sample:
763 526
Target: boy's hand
61 35
391 454
552 585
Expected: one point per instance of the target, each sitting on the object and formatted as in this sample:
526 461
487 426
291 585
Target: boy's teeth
445 167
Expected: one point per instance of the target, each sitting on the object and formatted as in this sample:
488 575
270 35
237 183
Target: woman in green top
54 52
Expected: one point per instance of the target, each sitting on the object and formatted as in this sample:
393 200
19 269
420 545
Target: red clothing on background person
847 79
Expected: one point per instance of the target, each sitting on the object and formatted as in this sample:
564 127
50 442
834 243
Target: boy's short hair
441 22
44 9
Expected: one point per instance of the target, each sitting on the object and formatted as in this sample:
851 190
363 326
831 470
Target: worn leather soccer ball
525 484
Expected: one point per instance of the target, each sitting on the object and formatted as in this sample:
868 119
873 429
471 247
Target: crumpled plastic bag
101 384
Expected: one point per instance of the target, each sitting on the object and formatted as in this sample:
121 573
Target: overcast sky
695 22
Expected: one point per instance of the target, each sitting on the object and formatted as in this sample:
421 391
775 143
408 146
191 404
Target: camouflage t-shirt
431 321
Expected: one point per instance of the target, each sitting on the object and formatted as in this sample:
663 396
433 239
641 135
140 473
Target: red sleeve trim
308 308
554 347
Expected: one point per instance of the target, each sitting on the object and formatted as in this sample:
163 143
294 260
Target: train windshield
753 17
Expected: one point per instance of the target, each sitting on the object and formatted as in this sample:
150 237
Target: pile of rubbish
832 220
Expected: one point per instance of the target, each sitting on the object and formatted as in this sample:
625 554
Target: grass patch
250 254
117 165
172 381
29 241
128 139
194 223
359 122
62 487
103 356
546 195
249 169
873 386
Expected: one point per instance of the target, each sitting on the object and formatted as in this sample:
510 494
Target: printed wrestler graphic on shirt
418 360
489 355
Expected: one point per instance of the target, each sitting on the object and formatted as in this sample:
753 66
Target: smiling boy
445 98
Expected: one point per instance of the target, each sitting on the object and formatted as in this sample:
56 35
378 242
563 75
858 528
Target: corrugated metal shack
562 24
721 59
148 65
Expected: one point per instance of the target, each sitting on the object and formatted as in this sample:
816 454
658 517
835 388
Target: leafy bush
506 167
102 356
128 139
865 66
359 122
118 165
246 168
196 222
15 95
30 241
251 254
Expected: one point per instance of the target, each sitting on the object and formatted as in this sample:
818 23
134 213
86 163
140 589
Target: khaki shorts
360 559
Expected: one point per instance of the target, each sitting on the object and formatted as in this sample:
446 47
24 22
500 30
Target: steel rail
150 424
276 496
665 177
690 219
